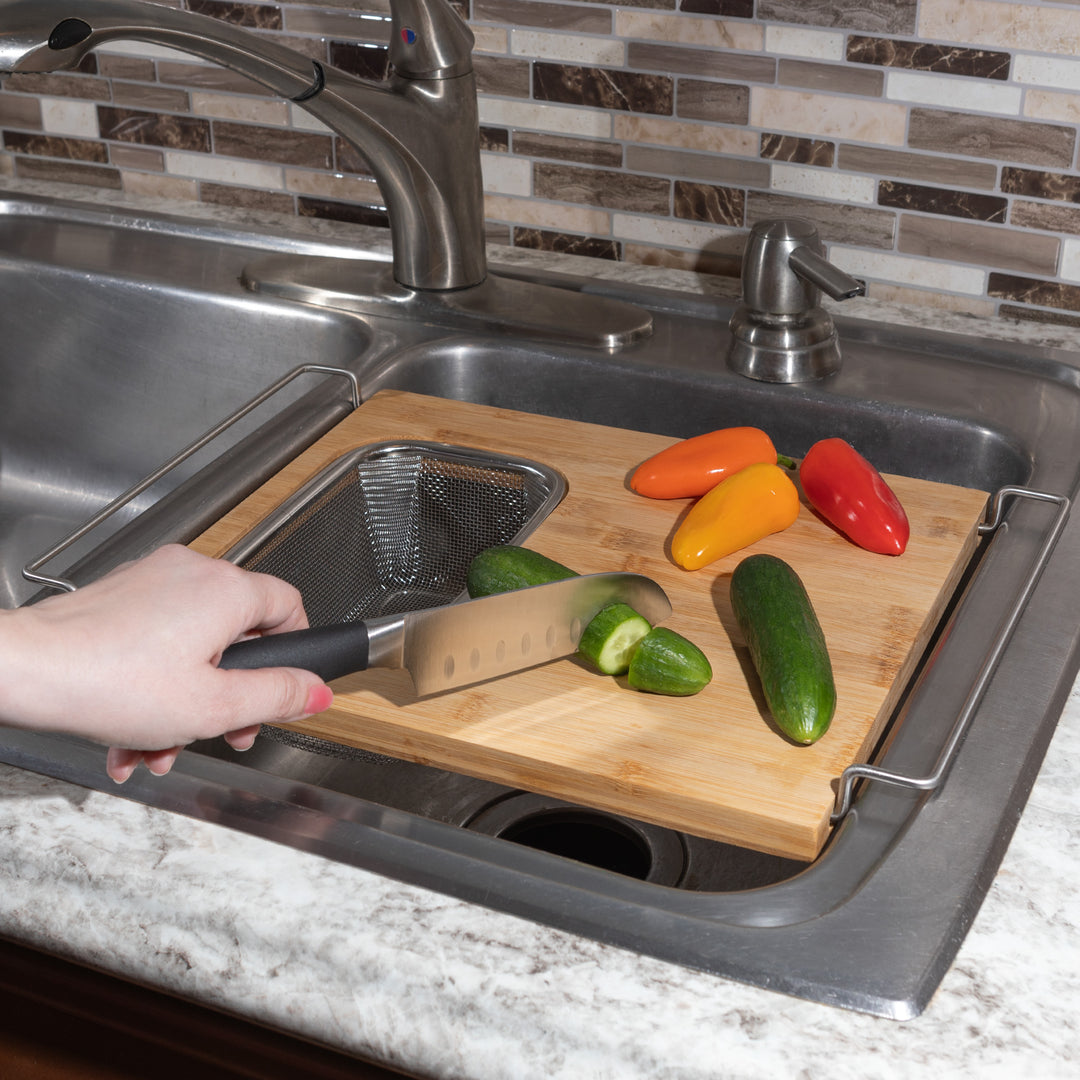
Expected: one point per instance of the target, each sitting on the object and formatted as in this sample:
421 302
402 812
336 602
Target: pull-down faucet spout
418 132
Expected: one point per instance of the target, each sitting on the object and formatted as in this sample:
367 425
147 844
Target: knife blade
462 643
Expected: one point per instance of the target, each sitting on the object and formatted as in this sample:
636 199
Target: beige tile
907 270
824 184
687 30
332 186
686 136
969 95
1034 27
928 298
556 119
255 110
1052 105
570 48
159 185
545 215
826 116
347 26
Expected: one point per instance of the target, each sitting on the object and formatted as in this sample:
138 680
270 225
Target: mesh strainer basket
392 527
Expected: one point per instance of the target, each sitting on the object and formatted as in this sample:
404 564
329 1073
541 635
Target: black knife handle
329 651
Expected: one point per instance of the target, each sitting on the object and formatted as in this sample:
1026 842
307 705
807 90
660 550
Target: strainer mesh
397 532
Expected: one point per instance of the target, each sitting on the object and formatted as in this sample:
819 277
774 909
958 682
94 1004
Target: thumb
276 694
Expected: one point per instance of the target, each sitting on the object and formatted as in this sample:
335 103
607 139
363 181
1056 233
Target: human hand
131 660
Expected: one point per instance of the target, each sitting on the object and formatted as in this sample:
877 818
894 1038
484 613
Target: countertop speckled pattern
442 988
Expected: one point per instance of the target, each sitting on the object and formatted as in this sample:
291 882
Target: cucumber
612 637
667 663
787 646
505 567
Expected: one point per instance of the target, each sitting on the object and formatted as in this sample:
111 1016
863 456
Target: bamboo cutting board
712 764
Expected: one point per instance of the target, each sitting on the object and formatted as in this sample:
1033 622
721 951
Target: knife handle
328 651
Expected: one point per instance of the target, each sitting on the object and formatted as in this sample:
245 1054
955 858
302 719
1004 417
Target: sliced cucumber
667 663
611 638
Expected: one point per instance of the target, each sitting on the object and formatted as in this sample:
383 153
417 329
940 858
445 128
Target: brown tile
55 146
115 66
876 161
348 212
503 76
1056 318
979 244
155 98
728 9
993 137
831 78
1041 185
722 103
603 88
496 232
871 16
798 151
594 247
602 187
837 223
520 13
564 148
1025 290
931 200
246 198
18 111
259 16
154 129
495 140
361 60
67 172
709 63
62 85
922 56
660 5
712 168
1054 217
282 146
708 202
348 159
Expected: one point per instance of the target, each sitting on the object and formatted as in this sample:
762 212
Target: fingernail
319 699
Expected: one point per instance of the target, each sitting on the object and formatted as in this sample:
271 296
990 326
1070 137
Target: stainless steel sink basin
874 923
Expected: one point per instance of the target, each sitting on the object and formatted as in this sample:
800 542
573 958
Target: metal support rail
30 571
853 773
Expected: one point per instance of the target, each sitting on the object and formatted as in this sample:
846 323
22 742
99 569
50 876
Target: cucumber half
612 637
667 663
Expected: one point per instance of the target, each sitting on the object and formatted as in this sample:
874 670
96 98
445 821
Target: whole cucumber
787 646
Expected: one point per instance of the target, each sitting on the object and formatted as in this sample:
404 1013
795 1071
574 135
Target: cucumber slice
667 663
612 637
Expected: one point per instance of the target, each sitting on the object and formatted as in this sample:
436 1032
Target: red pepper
696 465
849 493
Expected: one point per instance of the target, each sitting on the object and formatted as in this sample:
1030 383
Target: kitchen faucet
418 133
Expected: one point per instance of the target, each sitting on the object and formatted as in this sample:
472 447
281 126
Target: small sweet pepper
696 465
746 507
849 493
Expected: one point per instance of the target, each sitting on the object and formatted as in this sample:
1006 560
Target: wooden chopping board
712 764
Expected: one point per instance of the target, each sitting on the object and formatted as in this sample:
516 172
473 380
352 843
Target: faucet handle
429 40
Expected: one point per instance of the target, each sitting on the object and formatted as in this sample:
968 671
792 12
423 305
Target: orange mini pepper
746 507
696 465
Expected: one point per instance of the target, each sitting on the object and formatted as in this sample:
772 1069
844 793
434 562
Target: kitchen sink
131 334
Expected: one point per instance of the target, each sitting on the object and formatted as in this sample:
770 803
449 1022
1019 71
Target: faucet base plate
783 348
496 305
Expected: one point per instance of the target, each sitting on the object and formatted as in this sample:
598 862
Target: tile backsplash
934 142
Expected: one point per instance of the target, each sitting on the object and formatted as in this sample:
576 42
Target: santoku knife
462 643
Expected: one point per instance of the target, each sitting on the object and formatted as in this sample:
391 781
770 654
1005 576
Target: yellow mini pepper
753 503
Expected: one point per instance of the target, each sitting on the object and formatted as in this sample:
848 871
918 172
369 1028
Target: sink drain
608 841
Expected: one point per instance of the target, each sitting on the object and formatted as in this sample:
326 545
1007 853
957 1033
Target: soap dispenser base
783 348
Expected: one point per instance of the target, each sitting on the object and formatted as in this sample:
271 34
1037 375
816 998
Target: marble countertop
438 987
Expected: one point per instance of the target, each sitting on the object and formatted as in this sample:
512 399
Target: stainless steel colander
392 527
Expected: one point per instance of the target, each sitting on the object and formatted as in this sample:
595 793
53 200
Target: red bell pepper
849 493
